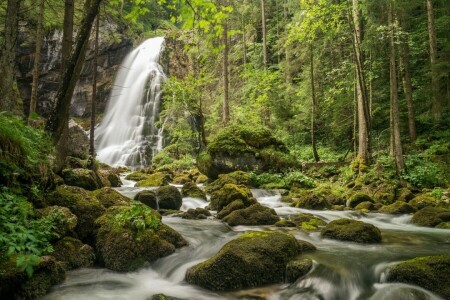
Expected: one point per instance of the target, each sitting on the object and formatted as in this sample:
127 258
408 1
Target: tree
225 104
432 43
94 90
67 40
264 33
313 104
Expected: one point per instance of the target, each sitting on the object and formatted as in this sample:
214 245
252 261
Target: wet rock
182 179
84 178
405 195
230 193
73 253
307 221
365 206
169 197
311 201
422 201
66 221
109 178
431 216
358 198
110 197
236 178
398 208
429 272
196 214
77 136
201 179
156 179
163 297
251 260
190 189
285 223
137 176
352 231
298 268
253 215
148 197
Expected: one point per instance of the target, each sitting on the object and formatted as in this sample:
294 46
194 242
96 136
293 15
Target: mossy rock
307 221
253 259
235 205
83 204
169 197
444 225
298 268
109 178
285 223
405 195
182 179
129 237
15 284
237 178
431 216
196 214
137 176
429 272
201 179
358 198
422 201
255 214
110 197
190 189
84 178
169 212
309 200
148 197
73 253
157 179
66 221
366 206
163 297
228 194
352 231
75 163
398 208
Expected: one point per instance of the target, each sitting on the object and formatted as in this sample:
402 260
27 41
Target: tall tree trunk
437 105
264 33
94 90
60 114
225 106
364 122
287 68
67 40
37 60
10 98
244 41
313 104
398 151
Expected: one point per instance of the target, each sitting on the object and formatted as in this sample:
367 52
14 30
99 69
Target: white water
127 135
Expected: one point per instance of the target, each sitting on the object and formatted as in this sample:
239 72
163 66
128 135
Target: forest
223 149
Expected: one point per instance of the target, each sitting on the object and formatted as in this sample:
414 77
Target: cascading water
127 135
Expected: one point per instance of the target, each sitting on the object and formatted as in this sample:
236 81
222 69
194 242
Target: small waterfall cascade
127 135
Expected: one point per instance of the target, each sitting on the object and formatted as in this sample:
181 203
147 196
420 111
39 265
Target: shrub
424 173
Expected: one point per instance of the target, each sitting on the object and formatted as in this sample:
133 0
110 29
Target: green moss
307 221
201 179
298 268
431 216
237 177
182 179
137 176
398 207
73 253
83 178
422 201
444 225
157 179
229 193
196 214
255 214
358 198
366 205
109 197
169 197
285 223
429 272
190 189
148 197
351 230
65 220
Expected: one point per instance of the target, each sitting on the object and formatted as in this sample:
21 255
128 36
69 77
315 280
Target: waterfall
127 135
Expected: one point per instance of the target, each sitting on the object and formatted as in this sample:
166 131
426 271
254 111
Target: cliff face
111 54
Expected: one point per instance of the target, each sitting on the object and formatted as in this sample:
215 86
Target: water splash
127 135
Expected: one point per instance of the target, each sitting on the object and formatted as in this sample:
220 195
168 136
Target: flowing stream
342 270
127 135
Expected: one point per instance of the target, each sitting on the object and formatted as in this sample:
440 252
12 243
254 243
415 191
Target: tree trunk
67 40
10 98
436 105
94 91
37 60
287 68
313 105
244 41
397 146
264 34
60 114
225 107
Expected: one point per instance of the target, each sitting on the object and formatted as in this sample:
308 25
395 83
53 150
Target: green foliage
137 216
424 173
23 235
282 181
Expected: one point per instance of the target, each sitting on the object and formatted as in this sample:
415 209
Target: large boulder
352 231
110 197
169 197
398 207
128 237
298 268
148 197
422 201
244 148
190 189
431 216
230 193
253 259
84 178
156 179
73 253
83 204
429 272
358 198
237 178
196 214
253 215
109 177
307 221
65 220
78 137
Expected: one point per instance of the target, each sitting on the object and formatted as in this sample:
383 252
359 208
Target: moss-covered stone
366 206
83 204
83 178
169 212
285 223
444 225
235 205
182 179
237 178
110 197
230 193
163 297
201 179
15 284
429 272
255 214
109 177
298 268
251 260
309 200
351 230
398 208
66 221
157 179
431 216
148 197
137 176
196 214
129 237
73 253
169 197
190 189
307 221
405 195
422 201
358 198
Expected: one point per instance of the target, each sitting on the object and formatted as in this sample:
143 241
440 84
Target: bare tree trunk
225 107
287 68
313 105
69 9
398 151
264 34
37 60
94 91
437 105
10 98
60 114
